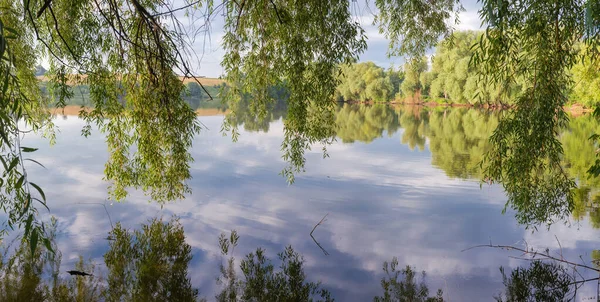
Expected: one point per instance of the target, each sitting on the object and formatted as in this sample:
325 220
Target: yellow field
203 81
74 110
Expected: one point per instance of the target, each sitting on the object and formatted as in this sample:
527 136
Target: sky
208 43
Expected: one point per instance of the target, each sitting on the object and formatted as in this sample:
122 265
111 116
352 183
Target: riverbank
574 109
72 110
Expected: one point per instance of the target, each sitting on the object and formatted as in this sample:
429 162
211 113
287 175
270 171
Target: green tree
195 95
411 86
586 81
367 82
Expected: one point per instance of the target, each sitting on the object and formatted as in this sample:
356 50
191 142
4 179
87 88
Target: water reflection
151 264
396 191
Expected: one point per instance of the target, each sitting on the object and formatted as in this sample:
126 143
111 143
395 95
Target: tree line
450 76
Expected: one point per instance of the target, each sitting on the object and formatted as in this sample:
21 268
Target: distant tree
396 77
195 95
366 82
411 86
586 82
450 67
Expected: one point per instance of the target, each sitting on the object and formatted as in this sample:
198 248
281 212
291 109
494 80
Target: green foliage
526 153
411 86
129 57
586 81
20 100
150 264
453 78
365 123
368 82
407 288
25 278
541 281
264 47
414 26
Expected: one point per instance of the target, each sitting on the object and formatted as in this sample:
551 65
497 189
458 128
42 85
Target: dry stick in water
315 240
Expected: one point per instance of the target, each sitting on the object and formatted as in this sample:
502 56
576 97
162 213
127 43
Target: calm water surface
394 185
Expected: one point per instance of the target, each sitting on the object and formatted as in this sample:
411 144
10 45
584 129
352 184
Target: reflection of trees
415 126
579 155
150 264
253 121
541 281
459 139
365 123
260 281
579 151
25 277
406 288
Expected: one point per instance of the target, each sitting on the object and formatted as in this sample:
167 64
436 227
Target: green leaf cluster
368 82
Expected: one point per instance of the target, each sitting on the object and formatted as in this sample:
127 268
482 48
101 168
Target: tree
411 86
586 81
367 82
450 67
195 94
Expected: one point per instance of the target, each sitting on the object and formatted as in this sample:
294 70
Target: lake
399 182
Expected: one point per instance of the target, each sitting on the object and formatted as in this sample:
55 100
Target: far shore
72 110
574 110
78 79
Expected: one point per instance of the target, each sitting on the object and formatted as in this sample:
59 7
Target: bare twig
277 12
43 8
533 254
315 240
560 246
106 210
